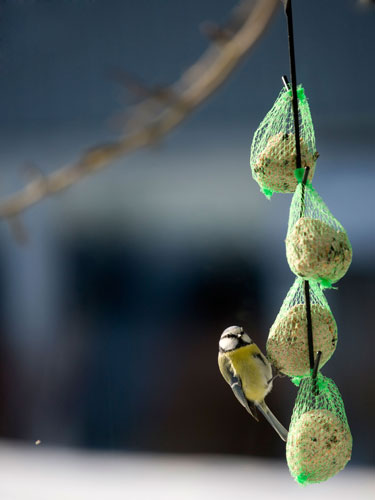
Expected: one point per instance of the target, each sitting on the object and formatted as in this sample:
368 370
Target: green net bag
287 345
317 246
319 441
273 150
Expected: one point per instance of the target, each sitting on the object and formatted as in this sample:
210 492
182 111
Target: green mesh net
317 246
287 345
273 150
319 441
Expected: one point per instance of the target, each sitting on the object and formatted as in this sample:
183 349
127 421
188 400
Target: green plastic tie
297 380
303 478
298 174
320 380
321 383
324 283
267 192
300 94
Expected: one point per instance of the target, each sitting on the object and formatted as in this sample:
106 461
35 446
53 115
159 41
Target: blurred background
110 314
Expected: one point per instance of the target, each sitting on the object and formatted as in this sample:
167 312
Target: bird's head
233 338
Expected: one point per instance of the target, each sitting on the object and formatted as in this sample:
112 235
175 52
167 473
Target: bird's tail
267 413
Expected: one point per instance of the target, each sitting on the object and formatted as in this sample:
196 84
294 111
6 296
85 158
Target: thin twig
152 119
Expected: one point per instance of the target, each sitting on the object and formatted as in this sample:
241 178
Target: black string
315 372
293 76
309 324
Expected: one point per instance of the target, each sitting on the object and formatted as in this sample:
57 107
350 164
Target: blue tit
249 373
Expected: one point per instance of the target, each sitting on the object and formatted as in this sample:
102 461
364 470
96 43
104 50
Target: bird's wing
234 381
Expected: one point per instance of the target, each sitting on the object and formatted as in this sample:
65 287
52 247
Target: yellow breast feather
246 367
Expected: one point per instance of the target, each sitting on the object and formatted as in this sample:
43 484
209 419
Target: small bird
249 373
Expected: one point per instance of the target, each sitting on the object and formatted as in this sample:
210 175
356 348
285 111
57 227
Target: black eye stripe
239 338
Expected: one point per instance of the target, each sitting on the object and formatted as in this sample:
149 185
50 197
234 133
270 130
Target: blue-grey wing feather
234 381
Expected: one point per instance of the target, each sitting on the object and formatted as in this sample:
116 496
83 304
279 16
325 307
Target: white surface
41 473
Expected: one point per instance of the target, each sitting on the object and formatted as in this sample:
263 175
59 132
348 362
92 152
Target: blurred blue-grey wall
111 313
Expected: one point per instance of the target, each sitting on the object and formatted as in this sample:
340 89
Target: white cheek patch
228 343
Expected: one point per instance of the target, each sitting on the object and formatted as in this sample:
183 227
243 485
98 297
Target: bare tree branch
154 117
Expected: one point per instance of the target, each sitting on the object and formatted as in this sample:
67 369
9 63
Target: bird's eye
246 338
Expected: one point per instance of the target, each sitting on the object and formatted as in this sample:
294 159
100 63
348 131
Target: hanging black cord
293 76
309 325
315 372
